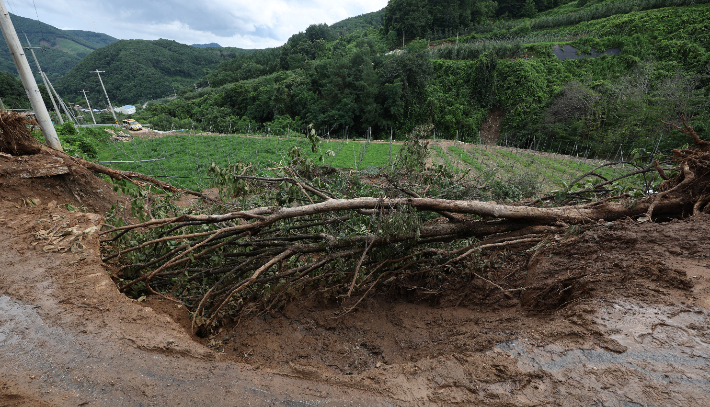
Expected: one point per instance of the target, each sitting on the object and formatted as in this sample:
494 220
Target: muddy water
70 369
659 356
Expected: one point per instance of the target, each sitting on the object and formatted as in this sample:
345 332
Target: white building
128 109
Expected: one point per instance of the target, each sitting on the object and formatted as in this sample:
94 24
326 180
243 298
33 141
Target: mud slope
68 338
616 317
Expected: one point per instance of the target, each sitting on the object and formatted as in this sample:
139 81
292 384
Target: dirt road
68 338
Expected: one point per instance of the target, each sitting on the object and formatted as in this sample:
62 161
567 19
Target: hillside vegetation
141 70
376 19
62 49
351 83
12 93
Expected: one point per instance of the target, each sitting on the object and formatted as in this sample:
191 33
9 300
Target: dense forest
62 49
12 93
501 65
376 19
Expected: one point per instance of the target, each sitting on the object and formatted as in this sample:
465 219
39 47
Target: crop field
183 160
550 171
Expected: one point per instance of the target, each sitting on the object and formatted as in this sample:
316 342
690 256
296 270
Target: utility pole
61 102
2 106
109 102
41 74
28 81
87 104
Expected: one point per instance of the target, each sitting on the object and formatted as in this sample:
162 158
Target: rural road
68 338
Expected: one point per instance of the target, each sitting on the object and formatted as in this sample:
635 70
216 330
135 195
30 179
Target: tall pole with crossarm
28 80
109 101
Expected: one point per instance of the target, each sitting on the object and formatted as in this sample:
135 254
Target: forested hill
62 49
500 70
141 70
376 19
12 93
210 45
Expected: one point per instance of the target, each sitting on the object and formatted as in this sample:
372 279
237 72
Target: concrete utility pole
44 79
28 81
61 102
2 106
87 104
105 93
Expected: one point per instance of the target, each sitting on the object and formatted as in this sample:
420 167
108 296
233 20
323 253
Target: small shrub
83 144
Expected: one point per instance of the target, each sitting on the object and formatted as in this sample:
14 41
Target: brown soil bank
616 316
69 338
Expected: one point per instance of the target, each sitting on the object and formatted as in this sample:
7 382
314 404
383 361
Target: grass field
183 160
550 171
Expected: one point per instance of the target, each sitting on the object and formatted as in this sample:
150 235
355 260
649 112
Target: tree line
354 84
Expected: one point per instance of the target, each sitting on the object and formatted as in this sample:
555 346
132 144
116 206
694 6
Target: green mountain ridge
141 70
148 78
363 22
62 49
210 45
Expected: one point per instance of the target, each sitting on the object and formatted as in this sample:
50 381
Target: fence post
390 145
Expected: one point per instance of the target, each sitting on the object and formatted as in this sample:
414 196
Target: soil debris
614 315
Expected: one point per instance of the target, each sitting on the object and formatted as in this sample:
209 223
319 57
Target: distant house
128 109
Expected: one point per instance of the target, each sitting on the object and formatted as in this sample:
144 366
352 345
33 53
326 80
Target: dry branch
322 246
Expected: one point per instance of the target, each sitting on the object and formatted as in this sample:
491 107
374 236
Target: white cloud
237 23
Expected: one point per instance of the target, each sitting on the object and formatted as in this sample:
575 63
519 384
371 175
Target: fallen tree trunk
270 251
218 264
121 175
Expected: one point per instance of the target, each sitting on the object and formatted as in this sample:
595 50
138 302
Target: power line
44 79
88 105
11 7
41 33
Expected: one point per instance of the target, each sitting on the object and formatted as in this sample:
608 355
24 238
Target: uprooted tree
227 257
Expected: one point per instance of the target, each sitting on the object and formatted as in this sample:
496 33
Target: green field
550 171
183 160
71 46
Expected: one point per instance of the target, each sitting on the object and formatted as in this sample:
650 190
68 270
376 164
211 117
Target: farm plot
183 160
550 172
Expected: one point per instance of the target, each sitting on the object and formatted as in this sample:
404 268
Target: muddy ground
616 316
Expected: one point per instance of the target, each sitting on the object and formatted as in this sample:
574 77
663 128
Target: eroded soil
614 316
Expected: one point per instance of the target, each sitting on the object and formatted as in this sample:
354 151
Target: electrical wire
41 33
12 10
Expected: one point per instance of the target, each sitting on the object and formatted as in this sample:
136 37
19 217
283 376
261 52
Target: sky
230 23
